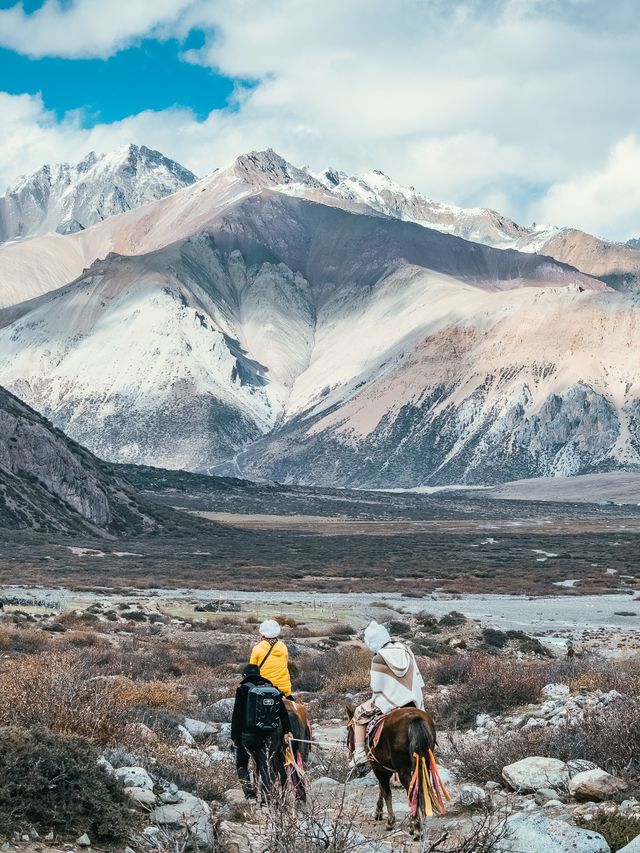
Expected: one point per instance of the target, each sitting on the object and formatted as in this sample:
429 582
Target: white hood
397 658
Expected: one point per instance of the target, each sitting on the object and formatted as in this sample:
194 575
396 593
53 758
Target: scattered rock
471 795
526 833
531 774
325 782
186 736
134 777
596 784
221 711
83 841
555 691
197 728
141 796
544 795
580 765
234 796
191 814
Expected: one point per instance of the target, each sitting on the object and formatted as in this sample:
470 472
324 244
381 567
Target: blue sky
527 106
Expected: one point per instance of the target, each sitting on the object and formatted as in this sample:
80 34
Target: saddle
374 730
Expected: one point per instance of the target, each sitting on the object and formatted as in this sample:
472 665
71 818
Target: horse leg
384 781
415 824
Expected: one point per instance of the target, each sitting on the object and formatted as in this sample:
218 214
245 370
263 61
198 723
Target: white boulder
535 833
596 784
531 774
134 777
191 814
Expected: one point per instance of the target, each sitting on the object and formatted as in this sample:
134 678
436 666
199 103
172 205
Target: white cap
270 629
376 636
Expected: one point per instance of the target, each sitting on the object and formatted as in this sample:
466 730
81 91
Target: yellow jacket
276 668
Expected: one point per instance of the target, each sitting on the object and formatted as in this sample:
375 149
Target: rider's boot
359 762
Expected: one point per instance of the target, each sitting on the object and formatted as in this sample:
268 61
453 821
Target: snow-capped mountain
260 322
68 198
257 308
615 263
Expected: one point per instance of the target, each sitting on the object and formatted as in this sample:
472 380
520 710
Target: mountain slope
68 198
616 263
48 483
280 303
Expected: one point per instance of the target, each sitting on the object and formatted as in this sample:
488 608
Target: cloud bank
529 106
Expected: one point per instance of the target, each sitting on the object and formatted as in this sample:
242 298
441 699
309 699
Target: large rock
134 777
190 814
596 784
197 728
221 711
555 691
531 774
535 833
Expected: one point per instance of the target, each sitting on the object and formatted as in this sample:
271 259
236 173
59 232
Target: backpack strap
264 659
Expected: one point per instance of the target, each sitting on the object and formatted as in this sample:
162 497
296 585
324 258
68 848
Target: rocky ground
130 694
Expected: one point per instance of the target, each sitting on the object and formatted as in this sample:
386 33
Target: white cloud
84 28
604 201
472 101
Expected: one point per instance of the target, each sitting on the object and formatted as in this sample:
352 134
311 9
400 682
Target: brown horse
405 747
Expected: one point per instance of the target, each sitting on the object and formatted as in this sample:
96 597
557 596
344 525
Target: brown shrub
55 691
490 685
150 694
343 670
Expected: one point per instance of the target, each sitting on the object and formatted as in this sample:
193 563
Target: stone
129 850
141 796
83 841
555 691
553 804
191 814
596 784
534 833
197 728
167 798
632 846
543 795
530 774
221 711
106 765
471 795
134 777
186 736
579 765
234 796
49 836
364 781
325 782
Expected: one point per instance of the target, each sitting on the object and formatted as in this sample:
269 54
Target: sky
531 107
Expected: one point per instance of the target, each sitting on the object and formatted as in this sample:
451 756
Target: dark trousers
260 748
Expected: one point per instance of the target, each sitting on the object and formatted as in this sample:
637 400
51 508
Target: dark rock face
50 483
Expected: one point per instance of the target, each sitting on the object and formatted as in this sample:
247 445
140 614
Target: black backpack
263 709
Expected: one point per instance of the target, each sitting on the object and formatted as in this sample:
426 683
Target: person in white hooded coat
395 683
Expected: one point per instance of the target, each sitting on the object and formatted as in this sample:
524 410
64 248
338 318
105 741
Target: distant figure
258 724
570 649
271 656
395 683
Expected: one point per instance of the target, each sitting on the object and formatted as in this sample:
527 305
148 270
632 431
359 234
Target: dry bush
53 782
344 670
619 829
150 695
20 640
609 737
490 685
286 621
56 692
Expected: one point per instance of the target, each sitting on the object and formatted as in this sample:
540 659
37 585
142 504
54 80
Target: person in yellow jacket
272 656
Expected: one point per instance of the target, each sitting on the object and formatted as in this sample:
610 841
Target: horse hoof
377 816
391 822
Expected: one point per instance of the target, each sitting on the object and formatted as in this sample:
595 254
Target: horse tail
426 790
301 733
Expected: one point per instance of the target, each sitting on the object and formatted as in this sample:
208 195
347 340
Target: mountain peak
268 169
98 186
